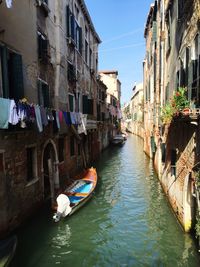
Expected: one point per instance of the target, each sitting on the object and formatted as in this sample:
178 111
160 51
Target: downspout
162 54
160 171
58 58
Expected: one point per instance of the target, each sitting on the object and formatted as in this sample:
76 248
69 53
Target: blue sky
120 25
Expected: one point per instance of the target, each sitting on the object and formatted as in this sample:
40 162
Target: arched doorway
50 170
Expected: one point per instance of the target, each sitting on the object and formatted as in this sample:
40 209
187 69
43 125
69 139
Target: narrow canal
128 222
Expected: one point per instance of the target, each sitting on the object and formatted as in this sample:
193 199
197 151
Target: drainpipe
162 70
162 54
58 58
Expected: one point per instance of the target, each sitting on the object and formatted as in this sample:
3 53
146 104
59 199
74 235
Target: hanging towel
67 117
13 116
4 112
57 119
73 117
82 126
43 116
60 116
38 118
9 3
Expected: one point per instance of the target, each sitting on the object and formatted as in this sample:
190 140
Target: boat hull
78 193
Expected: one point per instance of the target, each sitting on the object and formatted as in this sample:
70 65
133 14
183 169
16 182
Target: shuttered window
12 74
180 8
71 103
42 47
86 51
73 30
90 106
16 77
43 94
154 31
85 104
173 162
2 163
71 72
80 40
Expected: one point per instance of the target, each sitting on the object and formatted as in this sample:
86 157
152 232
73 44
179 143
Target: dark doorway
49 156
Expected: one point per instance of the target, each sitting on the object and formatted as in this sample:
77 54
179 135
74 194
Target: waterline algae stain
128 222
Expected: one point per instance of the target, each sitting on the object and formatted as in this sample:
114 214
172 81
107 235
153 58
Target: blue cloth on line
38 118
4 112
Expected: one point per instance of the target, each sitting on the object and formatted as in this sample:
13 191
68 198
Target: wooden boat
7 250
76 195
118 140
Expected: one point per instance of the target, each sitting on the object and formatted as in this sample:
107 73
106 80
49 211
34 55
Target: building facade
49 87
110 79
171 90
133 112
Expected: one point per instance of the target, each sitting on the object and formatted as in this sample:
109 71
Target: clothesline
22 113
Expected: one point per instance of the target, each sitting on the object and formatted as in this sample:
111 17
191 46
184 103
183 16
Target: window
86 51
12 84
1 162
61 149
180 8
85 104
43 94
71 103
90 106
44 6
163 152
42 47
72 150
169 28
74 31
193 71
173 162
90 60
78 39
31 154
71 72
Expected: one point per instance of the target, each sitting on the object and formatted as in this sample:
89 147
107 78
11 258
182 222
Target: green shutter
80 40
72 22
39 46
17 83
4 64
67 20
154 31
71 103
190 79
170 29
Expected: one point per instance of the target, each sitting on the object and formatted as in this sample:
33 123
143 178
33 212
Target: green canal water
128 222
